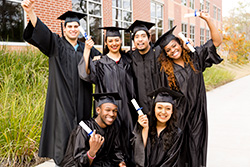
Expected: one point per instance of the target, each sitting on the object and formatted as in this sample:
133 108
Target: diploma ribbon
138 109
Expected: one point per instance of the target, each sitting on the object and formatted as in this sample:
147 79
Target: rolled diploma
187 42
139 111
86 128
83 33
192 14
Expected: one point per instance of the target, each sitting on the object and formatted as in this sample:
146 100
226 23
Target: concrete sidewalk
229 125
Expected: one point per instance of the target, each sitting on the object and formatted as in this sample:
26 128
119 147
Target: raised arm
28 6
215 34
143 121
88 45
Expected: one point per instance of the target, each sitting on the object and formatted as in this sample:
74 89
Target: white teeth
110 119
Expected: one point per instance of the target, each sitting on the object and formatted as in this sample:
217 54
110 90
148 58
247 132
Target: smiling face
71 31
107 114
114 44
141 41
163 112
173 50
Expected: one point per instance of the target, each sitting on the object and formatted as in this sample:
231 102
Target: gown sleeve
206 55
173 153
82 72
81 148
117 154
40 36
138 146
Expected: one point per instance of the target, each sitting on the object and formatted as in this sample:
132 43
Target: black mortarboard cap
165 38
139 25
102 98
164 94
71 16
112 31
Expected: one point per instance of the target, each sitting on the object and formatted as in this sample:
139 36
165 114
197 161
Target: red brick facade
49 10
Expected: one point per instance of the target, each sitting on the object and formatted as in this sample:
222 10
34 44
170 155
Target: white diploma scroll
138 109
187 42
83 33
192 14
86 128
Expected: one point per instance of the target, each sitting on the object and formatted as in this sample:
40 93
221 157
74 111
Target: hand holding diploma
186 42
195 14
83 32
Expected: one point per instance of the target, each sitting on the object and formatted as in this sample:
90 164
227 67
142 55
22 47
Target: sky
229 4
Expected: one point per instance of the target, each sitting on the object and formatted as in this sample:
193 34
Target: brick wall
141 10
107 13
49 10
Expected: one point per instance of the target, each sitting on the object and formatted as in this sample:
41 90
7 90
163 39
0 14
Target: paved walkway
229 125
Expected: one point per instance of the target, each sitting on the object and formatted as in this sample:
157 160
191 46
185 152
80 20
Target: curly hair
171 129
167 64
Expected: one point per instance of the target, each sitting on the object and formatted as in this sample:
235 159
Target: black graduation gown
109 153
194 117
155 155
109 76
146 71
68 97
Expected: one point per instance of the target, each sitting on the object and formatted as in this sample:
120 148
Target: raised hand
89 43
95 142
28 5
143 120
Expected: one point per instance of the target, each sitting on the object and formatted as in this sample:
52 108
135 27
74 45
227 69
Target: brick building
165 13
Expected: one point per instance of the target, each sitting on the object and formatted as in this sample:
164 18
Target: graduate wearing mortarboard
157 140
183 72
145 66
113 73
102 148
68 97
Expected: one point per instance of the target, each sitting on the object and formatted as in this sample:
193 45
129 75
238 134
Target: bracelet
90 156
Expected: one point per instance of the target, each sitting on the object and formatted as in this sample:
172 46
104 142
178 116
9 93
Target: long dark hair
171 129
167 64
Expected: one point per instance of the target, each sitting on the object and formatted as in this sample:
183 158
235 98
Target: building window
93 8
184 2
191 4
11 21
202 36
215 12
202 4
157 18
219 15
184 29
192 33
208 6
170 23
207 35
122 17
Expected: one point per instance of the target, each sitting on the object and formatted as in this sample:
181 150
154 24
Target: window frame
184 2
207 6
123 21
185 33
170 20
156 18
202 36
92 15
10 43
192 4
192 34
